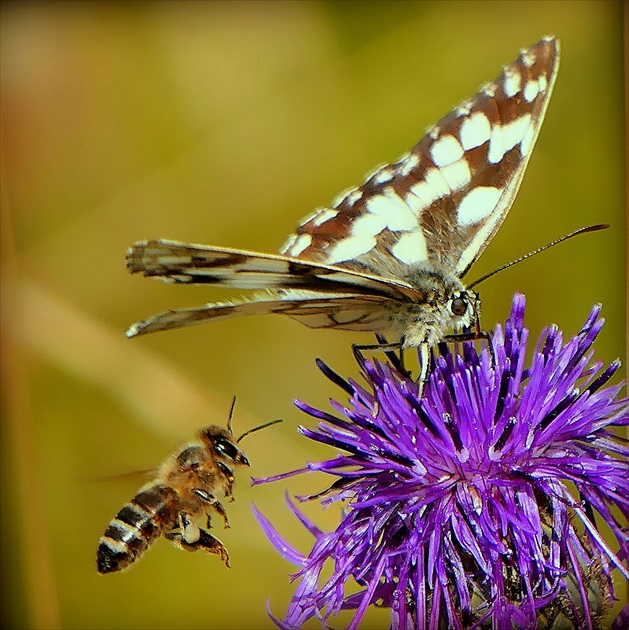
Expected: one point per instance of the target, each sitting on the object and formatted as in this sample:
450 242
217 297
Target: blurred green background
225 123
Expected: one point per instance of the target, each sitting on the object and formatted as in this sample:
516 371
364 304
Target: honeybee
178 503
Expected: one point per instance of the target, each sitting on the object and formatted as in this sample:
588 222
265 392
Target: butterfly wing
316 310
442 202
187 263
439 205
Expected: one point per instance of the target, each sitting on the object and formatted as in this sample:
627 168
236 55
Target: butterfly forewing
443 201
390 253
188 263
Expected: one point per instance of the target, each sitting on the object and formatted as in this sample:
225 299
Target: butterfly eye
459 306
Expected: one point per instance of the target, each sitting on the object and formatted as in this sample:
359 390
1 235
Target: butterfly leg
476 335
397 360
339 484
424 367
387 347
490 345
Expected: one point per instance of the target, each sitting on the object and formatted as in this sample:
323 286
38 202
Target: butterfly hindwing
346 312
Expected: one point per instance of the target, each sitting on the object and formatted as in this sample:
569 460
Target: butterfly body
390 254
428 320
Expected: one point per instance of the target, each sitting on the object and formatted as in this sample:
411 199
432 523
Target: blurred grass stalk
23 516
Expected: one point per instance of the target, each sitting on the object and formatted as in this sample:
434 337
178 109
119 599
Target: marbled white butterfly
390 254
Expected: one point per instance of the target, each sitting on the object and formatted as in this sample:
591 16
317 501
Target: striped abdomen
151 512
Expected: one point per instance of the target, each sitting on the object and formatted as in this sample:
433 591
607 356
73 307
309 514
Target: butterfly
390 254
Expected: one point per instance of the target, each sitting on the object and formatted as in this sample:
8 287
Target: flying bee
179 502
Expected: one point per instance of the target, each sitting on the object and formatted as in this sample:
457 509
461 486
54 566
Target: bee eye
459 306
225 448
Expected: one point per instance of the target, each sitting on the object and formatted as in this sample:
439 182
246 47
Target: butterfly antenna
583 230
262 426
231 415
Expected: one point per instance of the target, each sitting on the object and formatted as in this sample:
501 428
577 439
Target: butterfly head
443 305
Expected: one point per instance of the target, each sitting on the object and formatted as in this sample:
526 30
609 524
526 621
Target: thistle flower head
479 503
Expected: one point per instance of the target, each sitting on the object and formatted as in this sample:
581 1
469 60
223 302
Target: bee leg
212 545
210 499
188 531
221 510
205 541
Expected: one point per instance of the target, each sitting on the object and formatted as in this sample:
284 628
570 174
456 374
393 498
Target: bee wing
346 312
131 474
188 263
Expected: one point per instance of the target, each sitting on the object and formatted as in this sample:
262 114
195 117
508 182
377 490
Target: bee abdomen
135 527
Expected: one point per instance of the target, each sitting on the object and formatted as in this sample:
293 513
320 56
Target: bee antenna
262 426
583 230
231 415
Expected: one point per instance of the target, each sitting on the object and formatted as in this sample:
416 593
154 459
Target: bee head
222 443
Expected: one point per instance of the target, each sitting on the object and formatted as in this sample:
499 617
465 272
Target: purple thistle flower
475 505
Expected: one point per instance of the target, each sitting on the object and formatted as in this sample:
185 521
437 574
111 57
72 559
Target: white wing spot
515 131
303 241
309 217
411 247
478 204
489 89
368 225
527 57
324 215
385 174
434 132
354 196
374 171
414 203
543 83
505 137
393 209
288 243
350 248
469 253
512 82
496 145
475 131
527 142
432 188
446 150
457 175
338 199
530 90
407 163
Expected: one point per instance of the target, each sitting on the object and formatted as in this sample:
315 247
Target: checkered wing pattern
389 253
444 200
